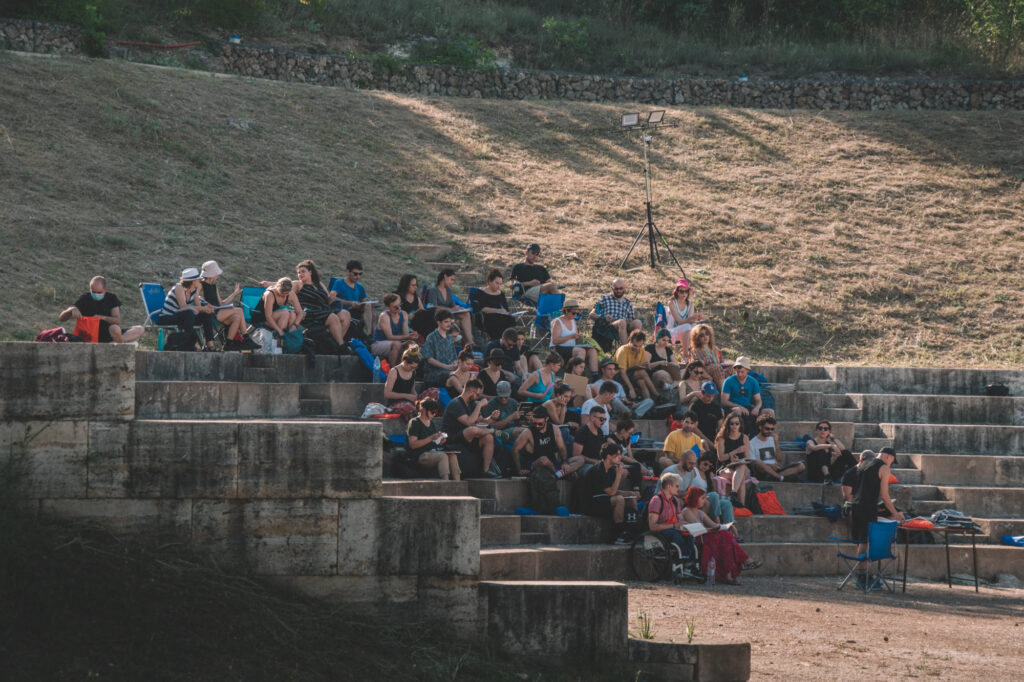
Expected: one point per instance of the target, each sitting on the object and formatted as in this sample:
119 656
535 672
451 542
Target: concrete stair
568 562
817 385
957 438
941 409
248 367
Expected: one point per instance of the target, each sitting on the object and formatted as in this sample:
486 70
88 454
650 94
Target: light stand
629 123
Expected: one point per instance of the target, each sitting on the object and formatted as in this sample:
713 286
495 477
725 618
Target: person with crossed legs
543 441
464 425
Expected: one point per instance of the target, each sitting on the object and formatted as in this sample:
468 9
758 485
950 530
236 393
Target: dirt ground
803 629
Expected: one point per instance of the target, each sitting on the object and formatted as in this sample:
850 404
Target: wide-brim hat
741 361
189 275
210 269
570 303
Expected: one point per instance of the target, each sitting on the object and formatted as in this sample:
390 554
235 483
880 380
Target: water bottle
711 572
376 370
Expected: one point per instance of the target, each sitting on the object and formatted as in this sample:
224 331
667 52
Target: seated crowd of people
480 401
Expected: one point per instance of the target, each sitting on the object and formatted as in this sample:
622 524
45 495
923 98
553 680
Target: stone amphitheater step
841 414
428 252
875 444
929 507
500 530
430 487
957 438
817 385
995 529
867 430
907 476
570 562
925 381
257 367
528 538
240 399
790 374
981 470
985 502
941 409
836 400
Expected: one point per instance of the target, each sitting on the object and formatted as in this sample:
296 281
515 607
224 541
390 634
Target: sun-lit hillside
890 238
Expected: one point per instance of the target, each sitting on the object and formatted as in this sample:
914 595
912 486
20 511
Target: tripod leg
636 241
669 249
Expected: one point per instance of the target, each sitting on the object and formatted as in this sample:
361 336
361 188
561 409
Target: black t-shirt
420 430
596 480
90 307
451 424
410 306
590 442
708 417
524 272
655 356
850 479
482 299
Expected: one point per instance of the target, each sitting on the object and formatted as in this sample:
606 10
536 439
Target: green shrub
999 24
570 39
460 51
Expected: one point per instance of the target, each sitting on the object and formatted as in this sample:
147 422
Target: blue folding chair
250 299
153 296
881 538
660 317
549 306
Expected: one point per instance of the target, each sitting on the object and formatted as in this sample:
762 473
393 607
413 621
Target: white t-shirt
690 479
764 450
591 404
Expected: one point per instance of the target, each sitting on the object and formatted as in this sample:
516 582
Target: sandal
751 565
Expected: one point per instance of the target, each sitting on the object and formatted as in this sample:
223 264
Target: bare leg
368 318
620 326
549 288
739 483
345 318
466 325
453 466
618 508
533 362
133 333
573 464
592 360
661 378
335 328
396 349
115 334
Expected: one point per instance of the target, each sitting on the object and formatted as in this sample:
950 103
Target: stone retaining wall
510 83
40 36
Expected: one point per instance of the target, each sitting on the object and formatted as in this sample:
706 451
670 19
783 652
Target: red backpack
56 335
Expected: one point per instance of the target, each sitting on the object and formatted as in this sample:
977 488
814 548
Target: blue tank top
396 328
548 388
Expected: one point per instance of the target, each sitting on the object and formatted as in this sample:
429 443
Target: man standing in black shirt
534 279
871 486
107 306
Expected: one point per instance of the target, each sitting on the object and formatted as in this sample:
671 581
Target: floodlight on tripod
629 123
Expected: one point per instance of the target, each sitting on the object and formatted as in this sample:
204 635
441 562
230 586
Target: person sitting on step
351 297
741 394
604 494
532 278
565 335
632 360
317 301
827 457
440 297
425 440
107 306
467 427
681 315
183 305
392 333
763 453
439 350
231 317
541 445
464 371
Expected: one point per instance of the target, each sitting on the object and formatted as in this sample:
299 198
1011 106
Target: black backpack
319 338
543 491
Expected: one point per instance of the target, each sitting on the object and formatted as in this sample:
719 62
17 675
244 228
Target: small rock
886 639
819 610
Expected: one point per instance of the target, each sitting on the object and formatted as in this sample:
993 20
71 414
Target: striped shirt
171 300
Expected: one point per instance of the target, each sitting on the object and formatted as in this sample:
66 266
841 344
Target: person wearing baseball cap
709 413
742 395
183 306
532 278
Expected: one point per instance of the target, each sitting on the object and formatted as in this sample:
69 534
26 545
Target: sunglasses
357 274
734 423
599 420
768 429
823 428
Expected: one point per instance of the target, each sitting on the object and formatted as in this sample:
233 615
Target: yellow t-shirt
678 442
625 358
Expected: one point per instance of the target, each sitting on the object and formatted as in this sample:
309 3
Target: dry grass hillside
890 238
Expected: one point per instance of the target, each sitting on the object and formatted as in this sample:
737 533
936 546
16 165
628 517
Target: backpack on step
543 491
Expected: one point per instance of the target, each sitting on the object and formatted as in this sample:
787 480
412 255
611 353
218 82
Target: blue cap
709 388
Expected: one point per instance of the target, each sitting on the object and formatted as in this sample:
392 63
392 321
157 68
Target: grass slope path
888 238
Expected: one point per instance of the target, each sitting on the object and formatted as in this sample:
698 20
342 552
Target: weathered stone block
425 536
141 519
309 459
270 537
67 381
180 459
47 458
557 618
108 450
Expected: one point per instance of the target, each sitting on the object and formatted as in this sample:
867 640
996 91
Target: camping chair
881 537
153 296
549 306
660 317
250 299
